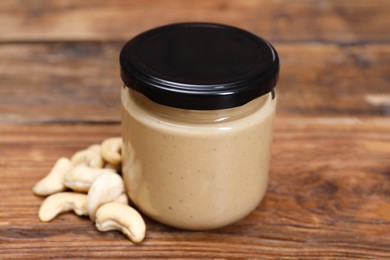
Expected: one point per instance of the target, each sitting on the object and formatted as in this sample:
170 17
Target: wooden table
329 192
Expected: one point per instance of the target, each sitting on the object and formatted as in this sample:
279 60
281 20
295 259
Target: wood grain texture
283 20
329 190
79 82
333 207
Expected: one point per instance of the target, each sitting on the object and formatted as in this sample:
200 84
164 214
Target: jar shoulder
139 109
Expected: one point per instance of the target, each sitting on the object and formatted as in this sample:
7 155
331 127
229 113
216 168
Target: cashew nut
62 202
106 201
116 167
104 189
122 199
116 216
80 177
90 157
111 150
52 183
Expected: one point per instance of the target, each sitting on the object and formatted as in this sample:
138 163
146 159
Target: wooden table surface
329 190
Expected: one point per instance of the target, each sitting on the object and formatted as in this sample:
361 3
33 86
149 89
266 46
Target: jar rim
200 66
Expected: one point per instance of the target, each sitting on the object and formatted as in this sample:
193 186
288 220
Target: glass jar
198 107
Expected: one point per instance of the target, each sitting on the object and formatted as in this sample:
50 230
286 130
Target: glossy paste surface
196 169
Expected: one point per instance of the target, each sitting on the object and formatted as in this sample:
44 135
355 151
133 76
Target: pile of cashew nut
89 184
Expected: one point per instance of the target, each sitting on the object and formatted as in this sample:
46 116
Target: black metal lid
199 66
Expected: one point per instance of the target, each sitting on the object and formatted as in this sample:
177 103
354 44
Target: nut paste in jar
198 105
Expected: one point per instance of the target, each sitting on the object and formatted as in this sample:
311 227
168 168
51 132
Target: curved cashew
52 183
116 167
80 177
122 199
116 216
104 189
90 157
111 150
62 202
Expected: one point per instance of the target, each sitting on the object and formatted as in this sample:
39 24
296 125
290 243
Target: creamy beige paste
196 169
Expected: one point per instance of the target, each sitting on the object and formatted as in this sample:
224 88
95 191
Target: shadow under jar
198 104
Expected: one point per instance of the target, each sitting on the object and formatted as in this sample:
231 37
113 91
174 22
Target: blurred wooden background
329 192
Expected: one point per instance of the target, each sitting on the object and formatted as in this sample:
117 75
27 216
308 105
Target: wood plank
113 20
79 82
59 82
334 80
336 206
